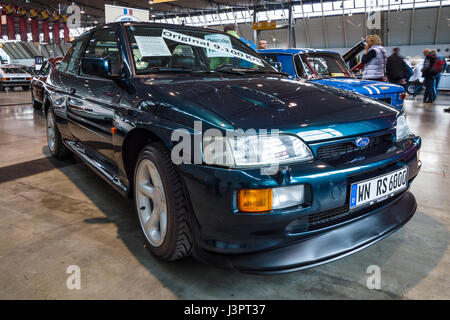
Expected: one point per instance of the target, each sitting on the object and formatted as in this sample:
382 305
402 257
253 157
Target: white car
415 82
11 76
444 83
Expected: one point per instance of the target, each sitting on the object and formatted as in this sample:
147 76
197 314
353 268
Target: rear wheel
25 88
161 204
54 141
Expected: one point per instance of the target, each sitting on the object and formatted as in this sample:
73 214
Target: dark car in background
125 93
39 80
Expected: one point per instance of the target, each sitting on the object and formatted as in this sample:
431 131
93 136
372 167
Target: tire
410 88
25 88
57 148
2 88
175 236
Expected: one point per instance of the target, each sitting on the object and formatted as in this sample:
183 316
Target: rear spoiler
353 52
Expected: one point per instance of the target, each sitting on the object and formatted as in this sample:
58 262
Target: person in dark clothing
428 76
395 68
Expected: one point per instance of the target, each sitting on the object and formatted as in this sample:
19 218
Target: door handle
72 91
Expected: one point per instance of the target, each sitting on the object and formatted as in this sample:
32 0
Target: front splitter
324 247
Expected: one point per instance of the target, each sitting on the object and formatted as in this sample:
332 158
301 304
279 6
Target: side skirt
109 173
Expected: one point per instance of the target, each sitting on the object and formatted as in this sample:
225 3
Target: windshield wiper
236 70
174 69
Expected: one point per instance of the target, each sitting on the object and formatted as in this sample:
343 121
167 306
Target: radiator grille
337 150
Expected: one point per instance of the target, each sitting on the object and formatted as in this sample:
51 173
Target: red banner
34 25
66 33
11 27
1 25
35 30
46 31
10 24
56 29
45 26
23 24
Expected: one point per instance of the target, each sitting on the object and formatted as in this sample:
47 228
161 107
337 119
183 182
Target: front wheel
54 141
161 204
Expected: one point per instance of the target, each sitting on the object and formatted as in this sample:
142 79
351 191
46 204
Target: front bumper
326 247
15 83
230 239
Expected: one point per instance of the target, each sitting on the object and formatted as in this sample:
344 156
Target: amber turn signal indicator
254 200
114 130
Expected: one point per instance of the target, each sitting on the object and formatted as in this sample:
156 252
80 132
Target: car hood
365 87
272 102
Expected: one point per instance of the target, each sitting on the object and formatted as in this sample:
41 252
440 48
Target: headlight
402 130
255 150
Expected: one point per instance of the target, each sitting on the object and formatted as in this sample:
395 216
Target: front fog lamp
263 200
402 130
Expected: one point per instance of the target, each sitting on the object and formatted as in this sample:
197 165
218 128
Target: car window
70 61
325 65
74 62
270 58
299 67
12 70
44 69
103 44
170 49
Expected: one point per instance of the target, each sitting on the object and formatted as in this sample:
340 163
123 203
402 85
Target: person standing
428 75
442 66
395 68
374 59
262 44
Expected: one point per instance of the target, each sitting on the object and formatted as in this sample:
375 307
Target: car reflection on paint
302 187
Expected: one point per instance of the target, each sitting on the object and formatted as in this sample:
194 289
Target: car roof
293 51
152 24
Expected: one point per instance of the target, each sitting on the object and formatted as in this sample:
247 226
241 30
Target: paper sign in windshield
152 46
220 39
203 43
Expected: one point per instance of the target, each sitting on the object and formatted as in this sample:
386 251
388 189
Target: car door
92 101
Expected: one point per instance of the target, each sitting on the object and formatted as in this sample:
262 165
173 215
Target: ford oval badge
362 142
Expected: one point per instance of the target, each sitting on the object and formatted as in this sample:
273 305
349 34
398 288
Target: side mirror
276 65
97 67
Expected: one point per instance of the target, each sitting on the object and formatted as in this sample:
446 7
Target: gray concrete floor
54 214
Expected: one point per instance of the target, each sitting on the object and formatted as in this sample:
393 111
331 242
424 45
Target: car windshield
182 50
324 65
12 70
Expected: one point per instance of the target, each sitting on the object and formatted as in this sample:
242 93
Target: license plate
378 189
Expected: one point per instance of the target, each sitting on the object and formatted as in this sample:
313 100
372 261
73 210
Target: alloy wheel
51 131
151 202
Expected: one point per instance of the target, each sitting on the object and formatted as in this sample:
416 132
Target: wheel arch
132 145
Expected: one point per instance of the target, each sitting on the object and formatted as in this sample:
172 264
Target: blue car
224 157
328 68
